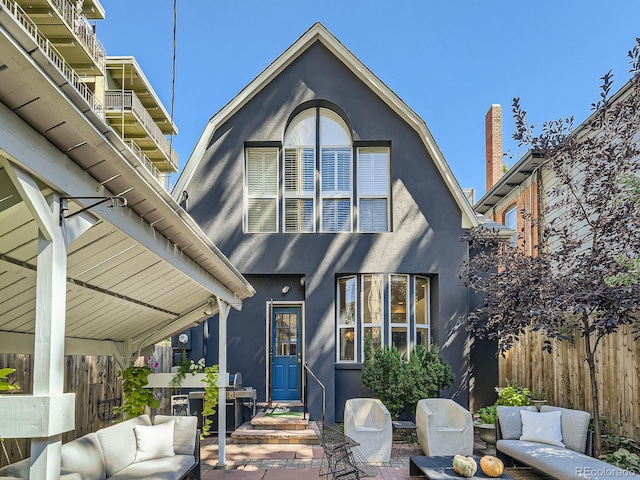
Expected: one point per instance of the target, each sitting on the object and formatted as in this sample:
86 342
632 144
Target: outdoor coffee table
441 468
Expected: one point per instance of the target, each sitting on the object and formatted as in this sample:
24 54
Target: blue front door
286 354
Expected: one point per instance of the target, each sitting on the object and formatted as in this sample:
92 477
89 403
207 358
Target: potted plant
485 423
538 398
485 418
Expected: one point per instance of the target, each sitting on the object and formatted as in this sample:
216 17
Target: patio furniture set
132 450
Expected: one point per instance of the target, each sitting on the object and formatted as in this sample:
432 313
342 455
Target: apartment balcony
22 27
163 179
69 31
126 114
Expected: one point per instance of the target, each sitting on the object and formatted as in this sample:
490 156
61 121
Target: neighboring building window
262 190
403 319
373 189
399 295
372 309
422 311
511 221
347 289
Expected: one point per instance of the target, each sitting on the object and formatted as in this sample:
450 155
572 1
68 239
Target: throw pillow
155 441
542 427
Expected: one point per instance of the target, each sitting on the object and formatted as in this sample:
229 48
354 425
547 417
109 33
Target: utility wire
173 72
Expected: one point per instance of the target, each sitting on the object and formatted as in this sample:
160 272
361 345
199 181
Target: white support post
51 289
223 380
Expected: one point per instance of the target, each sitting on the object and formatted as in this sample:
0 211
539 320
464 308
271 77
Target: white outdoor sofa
559 447
131 450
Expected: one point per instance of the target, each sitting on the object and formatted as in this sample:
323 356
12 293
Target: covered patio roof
95 256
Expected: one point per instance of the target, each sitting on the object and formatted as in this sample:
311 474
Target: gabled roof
318 33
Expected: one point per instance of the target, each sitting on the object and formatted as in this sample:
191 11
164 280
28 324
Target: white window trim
374 197
247 196
427 327
364 325
408 315
336 195
346 326
307 196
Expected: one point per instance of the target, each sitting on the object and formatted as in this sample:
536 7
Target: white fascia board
37 416
319 32
34 153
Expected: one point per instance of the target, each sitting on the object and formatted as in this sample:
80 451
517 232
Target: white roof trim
319 33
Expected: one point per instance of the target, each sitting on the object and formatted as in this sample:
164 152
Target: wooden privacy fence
98 390
564 375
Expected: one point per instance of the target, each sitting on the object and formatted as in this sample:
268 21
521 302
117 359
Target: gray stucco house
332 198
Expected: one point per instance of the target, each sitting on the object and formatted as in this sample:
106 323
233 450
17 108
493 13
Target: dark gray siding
426 223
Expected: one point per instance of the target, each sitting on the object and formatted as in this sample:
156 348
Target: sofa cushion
558 462
166 468
575 427
155 441
118 443
541 427
184 432
84 456
510 421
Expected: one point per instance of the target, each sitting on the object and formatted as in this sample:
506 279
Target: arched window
317 190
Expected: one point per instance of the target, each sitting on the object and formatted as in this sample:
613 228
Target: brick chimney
493 141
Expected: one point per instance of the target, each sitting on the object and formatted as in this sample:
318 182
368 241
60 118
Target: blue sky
448 60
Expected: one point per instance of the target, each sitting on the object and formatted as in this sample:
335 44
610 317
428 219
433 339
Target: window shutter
262 190
373 171
373 189
336 171
336 215
298 215
299 170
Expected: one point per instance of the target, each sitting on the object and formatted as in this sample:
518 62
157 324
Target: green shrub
400 383
4 385
513 395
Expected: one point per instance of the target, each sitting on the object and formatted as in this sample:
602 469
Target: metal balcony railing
126 100
81 28
53 55
162 178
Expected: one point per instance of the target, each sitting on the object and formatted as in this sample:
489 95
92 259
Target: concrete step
279 421
248 434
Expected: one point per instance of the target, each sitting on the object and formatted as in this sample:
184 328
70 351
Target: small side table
406 427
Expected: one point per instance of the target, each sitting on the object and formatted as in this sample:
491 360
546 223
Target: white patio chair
444 427
368 422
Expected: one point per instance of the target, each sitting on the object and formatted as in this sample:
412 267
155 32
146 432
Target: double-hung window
347 293
399 307
262 190
373 189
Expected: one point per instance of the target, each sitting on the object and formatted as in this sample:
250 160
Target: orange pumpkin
491 466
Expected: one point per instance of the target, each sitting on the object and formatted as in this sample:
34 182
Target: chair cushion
575 427
118 443
510 421
184 432
155 441
541 427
